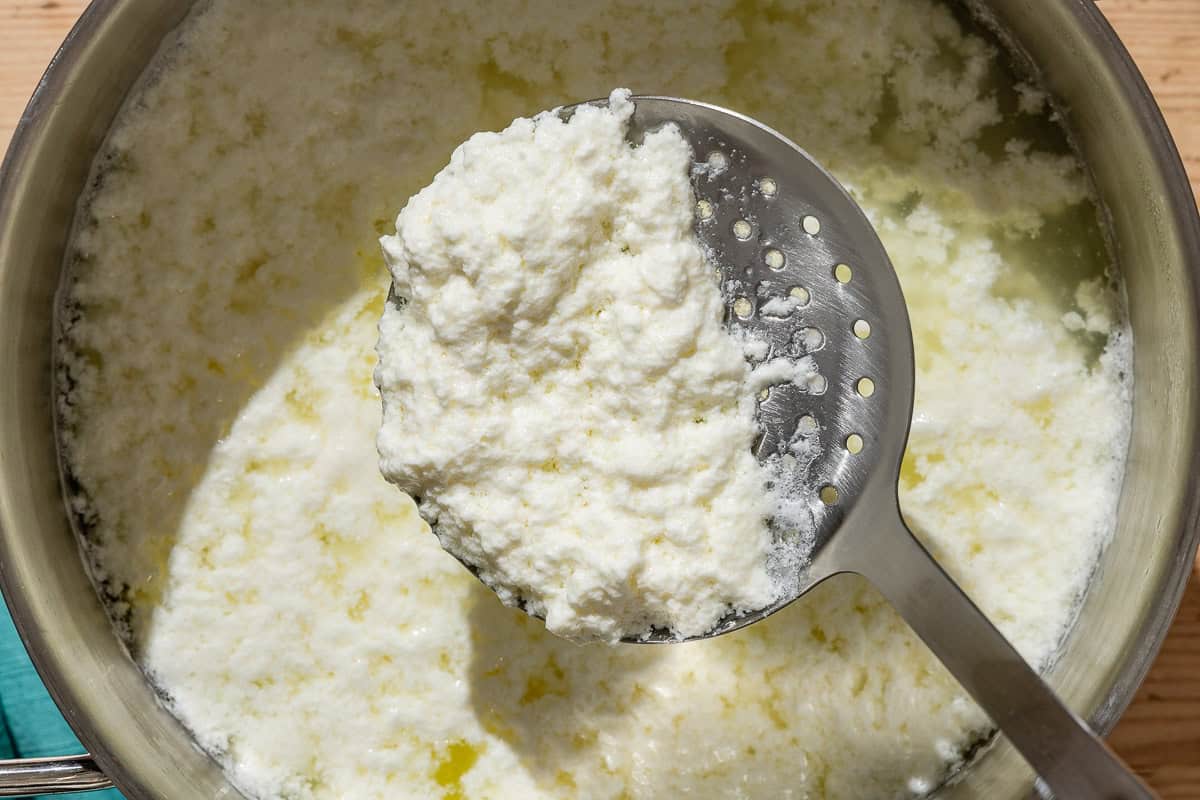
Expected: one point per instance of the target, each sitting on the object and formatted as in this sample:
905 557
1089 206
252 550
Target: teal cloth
30 724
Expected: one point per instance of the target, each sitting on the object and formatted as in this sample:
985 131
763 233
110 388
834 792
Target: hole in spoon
854 444
774 259
810 224
862 328
865 387
742 230
743 308
809 339
843 273
829 495
768 187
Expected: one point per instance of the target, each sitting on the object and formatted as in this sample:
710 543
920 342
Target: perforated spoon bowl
778 225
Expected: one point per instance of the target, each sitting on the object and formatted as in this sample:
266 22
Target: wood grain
1160 734
1164 38
30 32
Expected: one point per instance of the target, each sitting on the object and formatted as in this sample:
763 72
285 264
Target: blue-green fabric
30 724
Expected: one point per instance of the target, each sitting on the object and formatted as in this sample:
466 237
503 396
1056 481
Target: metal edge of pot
71 57
136 770
1182 202
1172 205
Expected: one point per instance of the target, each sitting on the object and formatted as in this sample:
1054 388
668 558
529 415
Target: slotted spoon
778 225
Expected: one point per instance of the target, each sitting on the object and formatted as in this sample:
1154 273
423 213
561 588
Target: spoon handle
1072 760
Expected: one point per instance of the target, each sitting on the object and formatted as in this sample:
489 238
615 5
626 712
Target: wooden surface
1160 734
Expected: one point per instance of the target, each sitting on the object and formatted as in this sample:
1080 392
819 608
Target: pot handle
20 777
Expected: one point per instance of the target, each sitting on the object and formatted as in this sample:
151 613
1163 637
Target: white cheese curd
220 418
558 387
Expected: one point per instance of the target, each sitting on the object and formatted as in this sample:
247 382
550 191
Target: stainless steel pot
137 744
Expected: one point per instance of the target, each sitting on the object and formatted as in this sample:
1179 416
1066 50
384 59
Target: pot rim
1186 226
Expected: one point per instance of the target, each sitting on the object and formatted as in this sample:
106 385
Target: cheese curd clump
559 390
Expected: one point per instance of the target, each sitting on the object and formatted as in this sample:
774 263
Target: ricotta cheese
220 419
558 387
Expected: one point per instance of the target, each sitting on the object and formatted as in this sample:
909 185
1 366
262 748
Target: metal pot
136 742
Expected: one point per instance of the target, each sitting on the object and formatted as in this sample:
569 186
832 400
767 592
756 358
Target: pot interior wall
99 689
1120 133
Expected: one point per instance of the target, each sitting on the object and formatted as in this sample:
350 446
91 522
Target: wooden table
1160 734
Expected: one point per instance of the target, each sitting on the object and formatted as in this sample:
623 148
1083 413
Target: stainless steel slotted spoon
779 226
